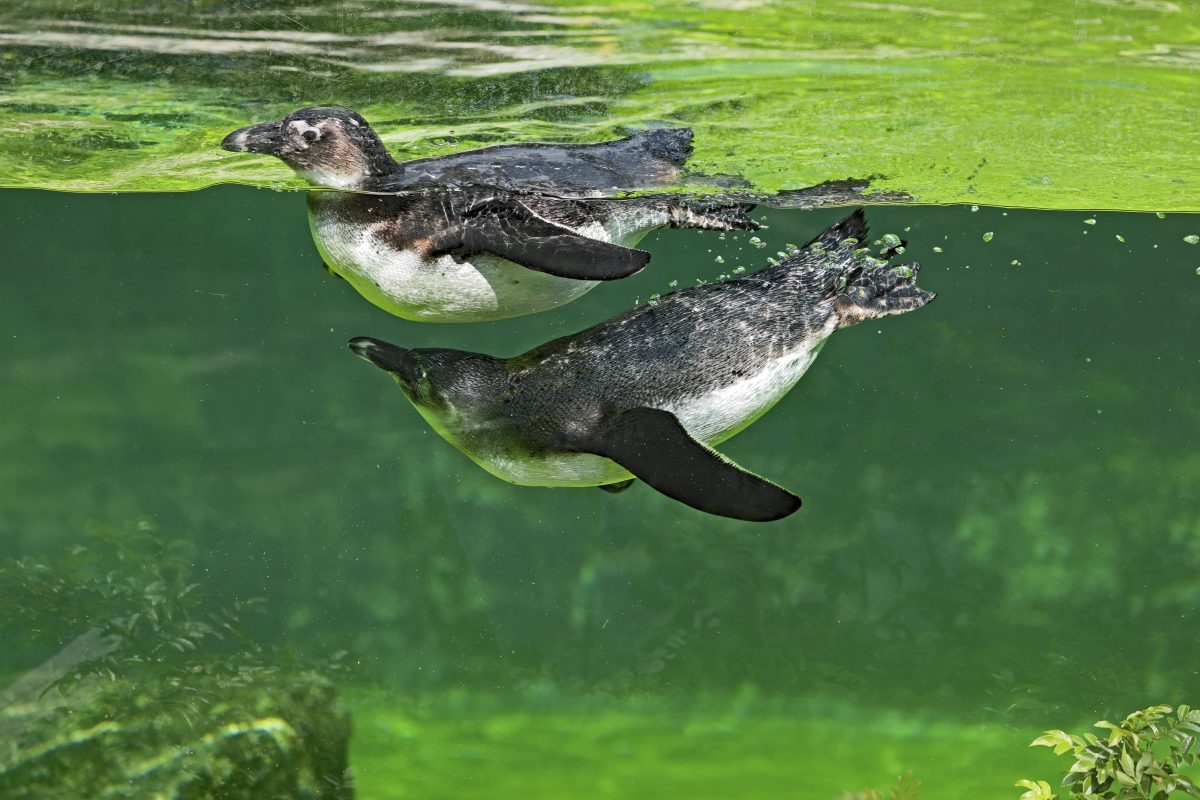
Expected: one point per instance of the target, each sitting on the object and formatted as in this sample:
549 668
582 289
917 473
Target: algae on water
941 100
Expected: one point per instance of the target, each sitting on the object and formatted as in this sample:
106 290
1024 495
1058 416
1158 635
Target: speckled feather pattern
381 245
717 355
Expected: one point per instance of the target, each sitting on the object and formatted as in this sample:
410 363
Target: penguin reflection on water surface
483 234
648 392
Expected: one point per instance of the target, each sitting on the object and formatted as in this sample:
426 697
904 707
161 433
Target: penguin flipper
510 230
654 446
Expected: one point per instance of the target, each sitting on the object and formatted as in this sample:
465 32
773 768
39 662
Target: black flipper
510 230
654 446
618 487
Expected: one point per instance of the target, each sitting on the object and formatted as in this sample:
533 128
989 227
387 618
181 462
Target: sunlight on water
232 554
938 100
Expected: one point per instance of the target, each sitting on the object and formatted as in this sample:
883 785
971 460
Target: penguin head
329 146
439 382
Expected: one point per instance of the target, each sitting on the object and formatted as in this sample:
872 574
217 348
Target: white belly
443 289
449 289
711 417
715 416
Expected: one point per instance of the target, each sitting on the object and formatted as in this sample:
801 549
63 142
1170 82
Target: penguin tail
673 145
712 216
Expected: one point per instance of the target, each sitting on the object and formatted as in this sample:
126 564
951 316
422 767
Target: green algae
466 745
1046 105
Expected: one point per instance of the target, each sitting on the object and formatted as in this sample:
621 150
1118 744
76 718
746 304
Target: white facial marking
239 141
300 126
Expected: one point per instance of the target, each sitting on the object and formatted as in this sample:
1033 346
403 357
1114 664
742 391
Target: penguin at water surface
483 234
647 393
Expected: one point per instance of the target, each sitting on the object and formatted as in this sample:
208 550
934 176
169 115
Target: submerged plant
1140 760
127 597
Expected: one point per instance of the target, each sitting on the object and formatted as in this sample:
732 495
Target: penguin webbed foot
655 447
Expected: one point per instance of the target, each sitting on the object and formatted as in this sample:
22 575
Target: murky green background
1001 530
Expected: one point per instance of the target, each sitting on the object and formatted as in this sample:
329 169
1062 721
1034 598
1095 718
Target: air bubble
1192 238
1089 221
987 237
889 240
937 249
1119 237
720 259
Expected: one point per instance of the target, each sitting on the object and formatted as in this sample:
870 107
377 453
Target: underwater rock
242 733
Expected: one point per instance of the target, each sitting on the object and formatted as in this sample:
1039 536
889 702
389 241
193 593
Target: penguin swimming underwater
483 234
647 393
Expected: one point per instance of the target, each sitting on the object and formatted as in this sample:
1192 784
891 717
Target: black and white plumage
484 234
647 393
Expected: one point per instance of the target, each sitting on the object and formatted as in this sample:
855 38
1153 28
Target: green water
1001 521
1001 530
1087 104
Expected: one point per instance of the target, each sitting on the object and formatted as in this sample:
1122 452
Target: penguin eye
311 135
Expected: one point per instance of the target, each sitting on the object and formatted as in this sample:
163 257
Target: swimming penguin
484 234
647 393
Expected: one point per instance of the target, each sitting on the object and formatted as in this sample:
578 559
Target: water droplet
720 259
987 237
1192 238
1089 221
1120 238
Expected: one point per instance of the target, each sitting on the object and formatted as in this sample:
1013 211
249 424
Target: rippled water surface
1085 104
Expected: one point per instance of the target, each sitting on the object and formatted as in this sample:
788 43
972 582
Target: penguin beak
266 138
396 360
